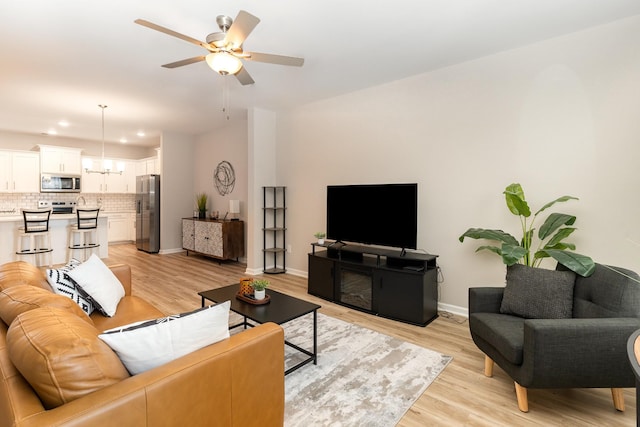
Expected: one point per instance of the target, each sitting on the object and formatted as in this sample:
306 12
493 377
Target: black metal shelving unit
274 208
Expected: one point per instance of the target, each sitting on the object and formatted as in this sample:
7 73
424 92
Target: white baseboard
256 271
253 271
298 273
453 309
170 251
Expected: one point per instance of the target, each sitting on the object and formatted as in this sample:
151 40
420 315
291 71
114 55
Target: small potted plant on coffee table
259 286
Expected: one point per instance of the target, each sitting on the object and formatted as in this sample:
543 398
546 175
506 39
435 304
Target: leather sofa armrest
123 273
236 382
485 300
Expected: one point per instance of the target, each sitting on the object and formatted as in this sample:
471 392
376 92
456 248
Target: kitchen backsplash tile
108 202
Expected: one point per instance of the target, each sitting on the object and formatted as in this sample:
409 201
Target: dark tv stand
396 284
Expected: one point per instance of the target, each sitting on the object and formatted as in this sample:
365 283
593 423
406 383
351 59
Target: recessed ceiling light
123 140
140 133
52 132
63 123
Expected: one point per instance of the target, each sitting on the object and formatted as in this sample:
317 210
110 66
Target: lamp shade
234 206
223 63
86 163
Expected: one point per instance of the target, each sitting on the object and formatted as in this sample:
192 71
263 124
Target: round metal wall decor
224 177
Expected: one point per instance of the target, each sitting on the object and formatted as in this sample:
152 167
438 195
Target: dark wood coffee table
280 309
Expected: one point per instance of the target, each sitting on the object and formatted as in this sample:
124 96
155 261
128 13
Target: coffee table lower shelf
313 355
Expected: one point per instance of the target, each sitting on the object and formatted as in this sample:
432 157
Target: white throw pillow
145 345
62 284
94 280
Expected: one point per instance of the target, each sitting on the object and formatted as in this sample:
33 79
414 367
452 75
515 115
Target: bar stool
35 231
86 231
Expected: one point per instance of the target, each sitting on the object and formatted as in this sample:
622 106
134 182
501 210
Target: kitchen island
59 229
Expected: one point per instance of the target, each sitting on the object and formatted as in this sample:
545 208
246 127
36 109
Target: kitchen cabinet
148 166
60 160
19 172
109 183
132 227
92 182
120 226
129 177
214 238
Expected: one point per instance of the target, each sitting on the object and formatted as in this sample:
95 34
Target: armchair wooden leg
521 395
618 398
488 366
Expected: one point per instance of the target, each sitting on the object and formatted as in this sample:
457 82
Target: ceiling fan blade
185 62
273 59
243 77
165 30
240 29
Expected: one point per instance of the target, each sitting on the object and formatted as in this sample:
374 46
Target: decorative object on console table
234 210
274 229
201 201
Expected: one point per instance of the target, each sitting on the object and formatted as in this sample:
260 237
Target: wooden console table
214 238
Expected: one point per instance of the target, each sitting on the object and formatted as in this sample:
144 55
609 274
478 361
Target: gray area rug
363 378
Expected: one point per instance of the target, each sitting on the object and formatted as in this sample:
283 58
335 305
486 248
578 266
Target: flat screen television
373 214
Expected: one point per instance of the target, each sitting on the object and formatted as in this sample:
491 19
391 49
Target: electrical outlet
288 248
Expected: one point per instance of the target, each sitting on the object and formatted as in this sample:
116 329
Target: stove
57 207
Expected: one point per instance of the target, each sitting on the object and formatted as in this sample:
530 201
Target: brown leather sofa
217 385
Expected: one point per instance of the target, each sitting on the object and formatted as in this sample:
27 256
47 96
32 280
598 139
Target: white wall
227 143
176 188
262 172
560 117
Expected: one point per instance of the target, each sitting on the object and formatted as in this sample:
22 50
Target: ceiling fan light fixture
223 63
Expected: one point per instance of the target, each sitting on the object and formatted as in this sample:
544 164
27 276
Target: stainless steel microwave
59 183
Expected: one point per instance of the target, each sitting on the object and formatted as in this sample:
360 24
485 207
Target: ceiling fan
225 47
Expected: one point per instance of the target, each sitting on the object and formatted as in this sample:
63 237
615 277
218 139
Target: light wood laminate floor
461 395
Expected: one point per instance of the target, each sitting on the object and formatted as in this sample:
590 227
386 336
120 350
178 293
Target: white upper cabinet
148 166
109 183
92 182
60 160
6 176
19 172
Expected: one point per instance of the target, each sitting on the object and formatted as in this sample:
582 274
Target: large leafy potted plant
550 236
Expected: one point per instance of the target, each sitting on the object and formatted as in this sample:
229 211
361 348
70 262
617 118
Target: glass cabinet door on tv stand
274 229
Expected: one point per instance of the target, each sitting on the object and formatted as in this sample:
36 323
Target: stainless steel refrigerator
148 213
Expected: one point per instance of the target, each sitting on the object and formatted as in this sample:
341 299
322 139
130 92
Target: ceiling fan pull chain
225 98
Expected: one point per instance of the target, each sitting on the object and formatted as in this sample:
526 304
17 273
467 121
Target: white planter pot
321 241
259 294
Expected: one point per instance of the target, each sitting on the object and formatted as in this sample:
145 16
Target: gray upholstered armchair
586 348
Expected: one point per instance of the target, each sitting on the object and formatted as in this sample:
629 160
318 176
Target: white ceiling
60 59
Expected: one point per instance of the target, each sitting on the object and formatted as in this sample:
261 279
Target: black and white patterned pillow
62 284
